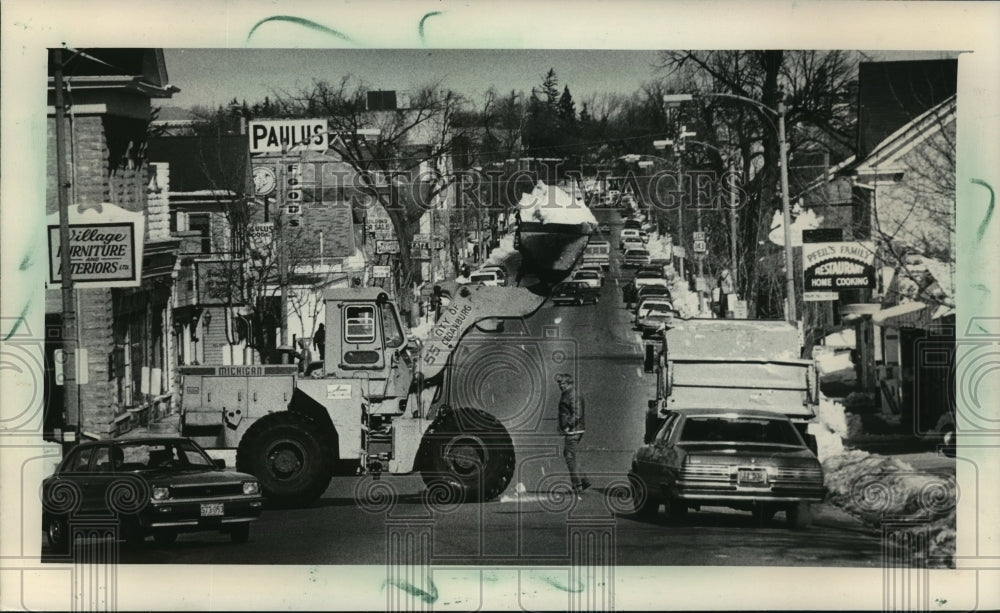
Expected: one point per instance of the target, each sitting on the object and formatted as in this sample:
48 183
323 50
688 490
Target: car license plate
751 476
214 509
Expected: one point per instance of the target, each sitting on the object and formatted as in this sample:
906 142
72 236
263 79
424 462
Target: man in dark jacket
571 424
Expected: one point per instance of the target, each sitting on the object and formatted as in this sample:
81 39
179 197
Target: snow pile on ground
830 360
422 329
844 338
879 489
551 204
831 428
502 251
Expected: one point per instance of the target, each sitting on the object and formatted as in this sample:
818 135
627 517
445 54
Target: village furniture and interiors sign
832 267
105 247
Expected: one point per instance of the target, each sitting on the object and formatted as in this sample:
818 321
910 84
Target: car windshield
566 286
638 253
740 430
654 307
162 455
648 274
586 274
488 277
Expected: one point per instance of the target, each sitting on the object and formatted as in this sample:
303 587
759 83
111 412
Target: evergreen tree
567 110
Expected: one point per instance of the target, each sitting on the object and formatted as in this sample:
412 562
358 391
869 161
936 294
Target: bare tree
396 153
816 87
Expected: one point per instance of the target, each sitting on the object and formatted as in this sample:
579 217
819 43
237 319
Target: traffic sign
386 246
679 252
700 246
380 272
699 236
383 235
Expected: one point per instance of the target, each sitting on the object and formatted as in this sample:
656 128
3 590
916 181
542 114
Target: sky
213 77
210 77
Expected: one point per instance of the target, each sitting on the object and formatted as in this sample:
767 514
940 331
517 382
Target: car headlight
161 493
251 487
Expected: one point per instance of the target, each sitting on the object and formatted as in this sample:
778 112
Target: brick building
126 332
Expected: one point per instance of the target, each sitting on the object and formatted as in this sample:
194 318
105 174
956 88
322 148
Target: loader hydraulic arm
470 305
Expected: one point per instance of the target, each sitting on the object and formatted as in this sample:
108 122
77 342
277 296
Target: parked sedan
743 459
632 242
596 268
159 486
489 278
655 320
635 257
590 277
575 292
654 303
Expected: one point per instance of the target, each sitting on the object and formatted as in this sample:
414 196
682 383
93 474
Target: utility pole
680 208
786 212
71 393
282 263
732 223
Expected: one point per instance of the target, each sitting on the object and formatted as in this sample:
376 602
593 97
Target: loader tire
285 452
469 451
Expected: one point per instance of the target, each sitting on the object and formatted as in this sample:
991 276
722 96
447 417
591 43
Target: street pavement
360 520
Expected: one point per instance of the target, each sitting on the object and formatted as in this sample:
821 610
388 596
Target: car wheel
676 509
643 502
286 452
763 513
57 533
165 537
468 451
240 533
133 534
799 515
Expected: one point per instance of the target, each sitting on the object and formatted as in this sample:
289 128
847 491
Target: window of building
202 222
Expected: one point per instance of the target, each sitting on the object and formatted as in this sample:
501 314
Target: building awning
906 315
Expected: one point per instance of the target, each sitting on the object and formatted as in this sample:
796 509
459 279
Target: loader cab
365 338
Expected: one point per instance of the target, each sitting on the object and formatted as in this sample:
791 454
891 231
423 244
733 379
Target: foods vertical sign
829 268
105 247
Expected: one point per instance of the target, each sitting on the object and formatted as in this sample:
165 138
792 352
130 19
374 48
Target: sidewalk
168 426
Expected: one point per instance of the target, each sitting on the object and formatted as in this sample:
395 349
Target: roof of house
884 154
143 70
200 163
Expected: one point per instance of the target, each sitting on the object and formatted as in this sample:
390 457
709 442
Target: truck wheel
469 451
285 452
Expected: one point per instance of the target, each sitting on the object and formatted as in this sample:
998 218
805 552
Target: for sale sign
832 267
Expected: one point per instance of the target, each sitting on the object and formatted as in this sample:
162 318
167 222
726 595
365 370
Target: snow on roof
551 204
807 220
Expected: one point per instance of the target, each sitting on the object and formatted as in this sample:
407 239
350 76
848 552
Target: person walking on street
320 341
571 424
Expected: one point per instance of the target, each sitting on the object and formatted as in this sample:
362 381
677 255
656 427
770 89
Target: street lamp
675 99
